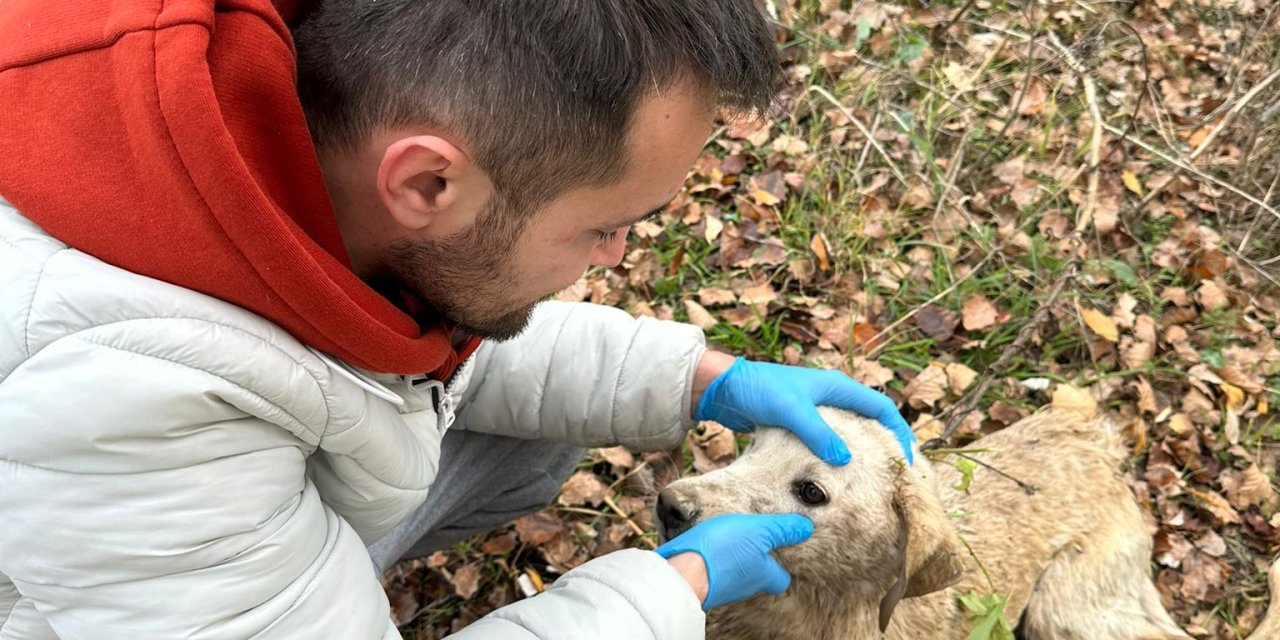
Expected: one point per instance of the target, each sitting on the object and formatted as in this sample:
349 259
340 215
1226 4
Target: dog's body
1072 556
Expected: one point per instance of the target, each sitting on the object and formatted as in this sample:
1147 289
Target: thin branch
1178 163
1084 217
1030 489
940 295
1235 110
630 523
960 409
871 139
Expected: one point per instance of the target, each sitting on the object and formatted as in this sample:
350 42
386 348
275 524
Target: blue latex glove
735 548
751 393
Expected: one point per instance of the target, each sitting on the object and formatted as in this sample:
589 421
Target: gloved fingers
908 441
801 418
839 390
732 418
844 392
776 579
783 529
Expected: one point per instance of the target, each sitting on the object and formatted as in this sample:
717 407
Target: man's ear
427 183
930 549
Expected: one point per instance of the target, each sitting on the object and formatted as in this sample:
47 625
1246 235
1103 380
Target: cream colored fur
1073 558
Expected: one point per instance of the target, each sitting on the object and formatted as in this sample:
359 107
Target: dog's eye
810 493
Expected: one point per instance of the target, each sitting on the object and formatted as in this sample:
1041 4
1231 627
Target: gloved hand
750 393
735 548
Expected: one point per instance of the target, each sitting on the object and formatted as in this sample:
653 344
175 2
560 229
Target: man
255 333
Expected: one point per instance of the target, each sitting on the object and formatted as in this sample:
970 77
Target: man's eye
607 236
810 493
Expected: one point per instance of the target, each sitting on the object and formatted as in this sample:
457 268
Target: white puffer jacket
172 466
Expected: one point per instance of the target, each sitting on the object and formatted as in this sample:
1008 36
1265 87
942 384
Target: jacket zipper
441 397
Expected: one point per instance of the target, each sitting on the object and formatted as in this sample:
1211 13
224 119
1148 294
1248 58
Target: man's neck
353 194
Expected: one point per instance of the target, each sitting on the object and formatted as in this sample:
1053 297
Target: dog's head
878 524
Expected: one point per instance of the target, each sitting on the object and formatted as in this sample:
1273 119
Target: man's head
483 154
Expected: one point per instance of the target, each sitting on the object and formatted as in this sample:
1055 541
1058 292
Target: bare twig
871 139
1084 216
1235 110
1030 489
1017 101
1244 240
1257 266
940 295
632 472
635 528
956 413
1178 163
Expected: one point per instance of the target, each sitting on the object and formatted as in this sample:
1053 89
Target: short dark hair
542 91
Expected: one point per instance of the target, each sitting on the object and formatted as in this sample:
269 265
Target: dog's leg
1100 587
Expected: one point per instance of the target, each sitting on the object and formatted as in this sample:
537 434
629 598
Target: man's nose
677 513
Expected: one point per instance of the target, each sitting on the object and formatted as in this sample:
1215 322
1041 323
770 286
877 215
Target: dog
1056 531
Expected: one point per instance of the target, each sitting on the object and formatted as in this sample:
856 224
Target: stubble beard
469 279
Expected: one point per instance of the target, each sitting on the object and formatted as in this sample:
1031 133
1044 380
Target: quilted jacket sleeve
626 595
146 498
587 374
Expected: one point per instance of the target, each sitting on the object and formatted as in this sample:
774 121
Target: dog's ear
929 550
934 553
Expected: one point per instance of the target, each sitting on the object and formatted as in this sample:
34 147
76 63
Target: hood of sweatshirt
165 137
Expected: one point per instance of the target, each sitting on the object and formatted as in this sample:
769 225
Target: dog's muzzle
676 514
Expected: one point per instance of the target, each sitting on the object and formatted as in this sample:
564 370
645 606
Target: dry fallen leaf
713 228
759 295
1131 182
713 296
936 322
1123 312
699 316
1101 323
1234 396
764 198
790 145
960 77
619 457
581 488
1211 295
499 545
1010 171
1146 396
717 441
819 246
1216 505
978 313
870 372
959 377
1070 398
928 387
1247 488
539 528
1143 347
466 580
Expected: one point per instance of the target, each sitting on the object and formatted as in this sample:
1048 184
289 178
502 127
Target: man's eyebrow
652 213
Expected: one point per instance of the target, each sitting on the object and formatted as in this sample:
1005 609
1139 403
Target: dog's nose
676 513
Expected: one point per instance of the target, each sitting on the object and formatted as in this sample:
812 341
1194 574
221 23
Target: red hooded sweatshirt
165 137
